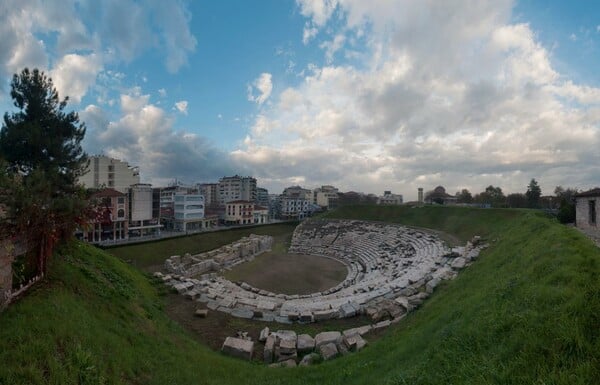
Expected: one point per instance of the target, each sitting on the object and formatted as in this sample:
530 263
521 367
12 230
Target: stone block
306 316
328 351
458 263
309 359
237 347
305 344
326 337
264 334
286 335
291 363
201 313
269 350
355 342
362 330
287 346
322 315
431 285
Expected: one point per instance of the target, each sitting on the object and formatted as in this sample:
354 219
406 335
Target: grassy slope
527 312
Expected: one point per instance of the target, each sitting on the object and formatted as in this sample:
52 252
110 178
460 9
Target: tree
41 147
534 192
566 210
464 196
516 200
492 195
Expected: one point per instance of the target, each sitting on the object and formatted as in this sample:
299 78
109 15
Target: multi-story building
234 188
111 222
188 212
104 171
390 199
240 212
297 191
262 196
167 199
210 191
261 214
144 210
326 197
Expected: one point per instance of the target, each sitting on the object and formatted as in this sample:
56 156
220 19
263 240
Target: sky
364 95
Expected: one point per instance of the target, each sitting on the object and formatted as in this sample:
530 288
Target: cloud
144 135
74 74
162 92
331 47
573 37
308 33
465 99
263 85
181 106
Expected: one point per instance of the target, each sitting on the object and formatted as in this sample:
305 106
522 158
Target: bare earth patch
289 273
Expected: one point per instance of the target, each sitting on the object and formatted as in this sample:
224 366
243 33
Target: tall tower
420 194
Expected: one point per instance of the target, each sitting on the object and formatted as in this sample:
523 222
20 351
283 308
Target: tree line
563 200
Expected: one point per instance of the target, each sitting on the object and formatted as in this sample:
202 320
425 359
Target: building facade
188 212
587 206
240 212
112 217
235 188
326 197
107 172
390 199
210 192
144 210
262 197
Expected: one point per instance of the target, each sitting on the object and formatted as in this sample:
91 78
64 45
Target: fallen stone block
287 346
382 324
305 343
431 285
263 334
269 350
201 313
362 330
326 337
458 263
237 347
306 317
291 363
355 342
328 351
322 315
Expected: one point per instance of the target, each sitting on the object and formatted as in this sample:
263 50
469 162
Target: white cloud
182 106
263 85
573 37
144 135
462 98
74 74
331 47
308 33
162 92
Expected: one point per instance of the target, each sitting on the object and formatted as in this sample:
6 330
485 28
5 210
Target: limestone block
362 330
305 343
286 335
287 346
381 325
322 315
306 316
202 313
431 285
242 313
290 363
328 351
458 263
326 337
264 334
269 348
355 342
238 347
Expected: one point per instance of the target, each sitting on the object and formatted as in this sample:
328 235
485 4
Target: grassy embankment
528 311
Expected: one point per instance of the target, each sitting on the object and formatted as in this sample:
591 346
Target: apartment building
210 191
103 171
262 197
326 196
144 210
236 188
240 212
390 199
188 212
112 219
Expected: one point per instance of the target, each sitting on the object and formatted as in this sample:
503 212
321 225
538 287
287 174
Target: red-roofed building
239 212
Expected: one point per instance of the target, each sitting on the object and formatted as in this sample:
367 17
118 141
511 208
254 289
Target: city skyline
364 96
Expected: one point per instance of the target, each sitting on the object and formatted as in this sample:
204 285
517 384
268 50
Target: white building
235 188
390 199
188 212
108 172
144 210
326 196
210 191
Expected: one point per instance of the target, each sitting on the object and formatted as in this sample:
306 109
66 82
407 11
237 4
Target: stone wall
582 214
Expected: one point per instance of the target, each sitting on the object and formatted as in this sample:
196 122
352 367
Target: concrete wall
582 214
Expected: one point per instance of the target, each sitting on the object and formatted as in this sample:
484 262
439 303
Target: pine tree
41 148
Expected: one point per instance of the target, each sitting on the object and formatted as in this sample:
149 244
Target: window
121 213
592 212
121 200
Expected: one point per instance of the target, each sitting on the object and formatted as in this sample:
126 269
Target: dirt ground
289 273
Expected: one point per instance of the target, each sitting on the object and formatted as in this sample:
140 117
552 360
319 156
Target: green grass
527 312
154 253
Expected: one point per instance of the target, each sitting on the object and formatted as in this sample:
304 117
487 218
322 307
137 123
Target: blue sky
368 96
